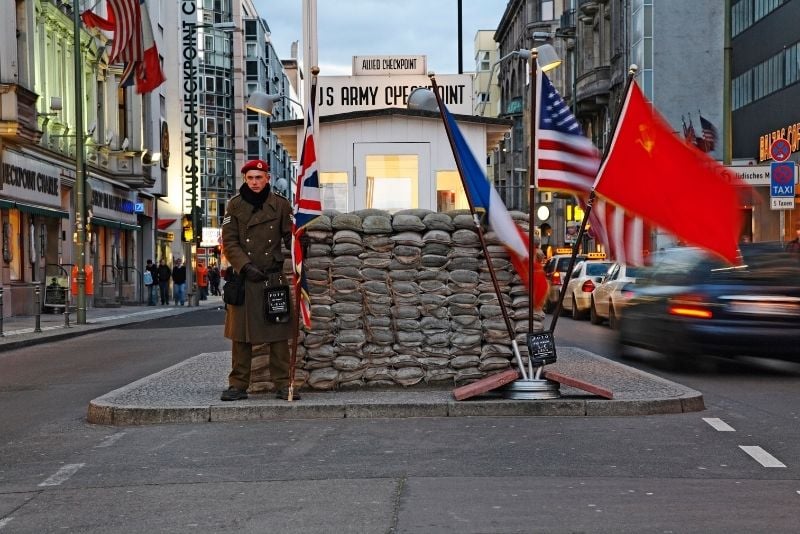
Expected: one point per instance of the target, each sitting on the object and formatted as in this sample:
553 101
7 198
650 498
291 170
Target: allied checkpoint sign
782 176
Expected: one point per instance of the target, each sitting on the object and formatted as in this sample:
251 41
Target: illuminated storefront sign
791 133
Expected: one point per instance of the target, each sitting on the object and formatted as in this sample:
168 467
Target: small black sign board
277 300
542 348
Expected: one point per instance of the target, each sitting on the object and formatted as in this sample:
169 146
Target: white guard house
373 152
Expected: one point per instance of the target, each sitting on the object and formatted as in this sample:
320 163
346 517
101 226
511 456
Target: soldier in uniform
256 221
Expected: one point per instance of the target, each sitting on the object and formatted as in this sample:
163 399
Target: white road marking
4 522
718 424
761 456
110 440
62 474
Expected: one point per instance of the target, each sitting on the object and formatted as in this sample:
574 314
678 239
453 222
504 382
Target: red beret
255 165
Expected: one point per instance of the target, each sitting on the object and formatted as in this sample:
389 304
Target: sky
348 28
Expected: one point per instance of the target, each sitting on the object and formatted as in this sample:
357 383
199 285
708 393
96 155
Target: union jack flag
307 207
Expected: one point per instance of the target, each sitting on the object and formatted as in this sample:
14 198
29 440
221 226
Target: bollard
66 308
1 313
38 300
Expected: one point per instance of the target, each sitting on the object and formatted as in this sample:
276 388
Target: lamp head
422 99
262 102
547 57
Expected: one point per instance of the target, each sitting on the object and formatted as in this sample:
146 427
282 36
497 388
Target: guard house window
450 192
333 192
392 182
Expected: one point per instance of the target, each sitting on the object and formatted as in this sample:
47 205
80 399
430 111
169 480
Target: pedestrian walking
214 279
256 222
164 274
179 282
151 282
202 279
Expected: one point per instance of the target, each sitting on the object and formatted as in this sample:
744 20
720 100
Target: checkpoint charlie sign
344 94
382 65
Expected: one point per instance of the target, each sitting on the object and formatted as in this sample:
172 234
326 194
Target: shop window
450 192
334 191
12 244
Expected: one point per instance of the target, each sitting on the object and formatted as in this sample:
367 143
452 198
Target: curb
188 392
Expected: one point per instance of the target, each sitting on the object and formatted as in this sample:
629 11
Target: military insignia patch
226 220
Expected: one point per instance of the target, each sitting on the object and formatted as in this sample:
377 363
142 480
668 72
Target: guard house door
392 176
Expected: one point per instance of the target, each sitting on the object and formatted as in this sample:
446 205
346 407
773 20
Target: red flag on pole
651 172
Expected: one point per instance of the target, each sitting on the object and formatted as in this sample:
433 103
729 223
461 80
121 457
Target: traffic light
187 232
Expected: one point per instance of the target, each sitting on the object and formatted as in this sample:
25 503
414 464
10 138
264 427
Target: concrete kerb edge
76 330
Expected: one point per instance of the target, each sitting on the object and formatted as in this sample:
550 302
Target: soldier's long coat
249 237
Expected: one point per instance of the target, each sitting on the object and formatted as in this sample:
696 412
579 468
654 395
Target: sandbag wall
407 300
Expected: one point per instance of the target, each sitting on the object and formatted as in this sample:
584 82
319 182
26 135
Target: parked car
691 303
609 298
585 277
555 270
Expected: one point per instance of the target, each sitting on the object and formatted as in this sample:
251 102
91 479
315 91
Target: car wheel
577 315
593 317
613 321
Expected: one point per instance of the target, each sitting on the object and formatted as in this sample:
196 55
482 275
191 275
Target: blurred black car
690 303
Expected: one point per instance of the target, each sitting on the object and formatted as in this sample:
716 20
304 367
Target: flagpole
589 202
300 234
479 230
531 188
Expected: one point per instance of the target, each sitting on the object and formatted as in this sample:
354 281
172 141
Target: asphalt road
698 472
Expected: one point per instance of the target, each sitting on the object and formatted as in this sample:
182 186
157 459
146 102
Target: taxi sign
564 250
596 255
782 179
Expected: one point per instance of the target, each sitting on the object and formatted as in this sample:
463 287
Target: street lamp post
79 237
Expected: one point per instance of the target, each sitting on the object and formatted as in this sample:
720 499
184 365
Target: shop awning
34 209
114 224
163 224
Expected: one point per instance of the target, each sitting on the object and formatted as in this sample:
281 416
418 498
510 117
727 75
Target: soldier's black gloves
253 273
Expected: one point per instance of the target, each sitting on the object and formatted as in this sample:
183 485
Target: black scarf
254 199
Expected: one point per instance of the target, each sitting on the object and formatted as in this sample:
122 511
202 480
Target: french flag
485 198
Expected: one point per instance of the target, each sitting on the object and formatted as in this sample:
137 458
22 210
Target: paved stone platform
189 393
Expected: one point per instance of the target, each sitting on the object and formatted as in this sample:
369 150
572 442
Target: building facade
765 88
38 143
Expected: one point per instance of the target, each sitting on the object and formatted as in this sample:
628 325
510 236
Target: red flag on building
651 172
133 42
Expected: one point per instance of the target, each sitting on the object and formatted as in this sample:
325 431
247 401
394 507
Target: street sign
782 179
781 203
780 150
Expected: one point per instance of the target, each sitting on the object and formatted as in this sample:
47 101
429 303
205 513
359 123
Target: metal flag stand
541 344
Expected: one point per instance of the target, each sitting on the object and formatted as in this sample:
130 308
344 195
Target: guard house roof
288 132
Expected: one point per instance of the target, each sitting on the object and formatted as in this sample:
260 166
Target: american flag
566 160
307 207
709 134
127 43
